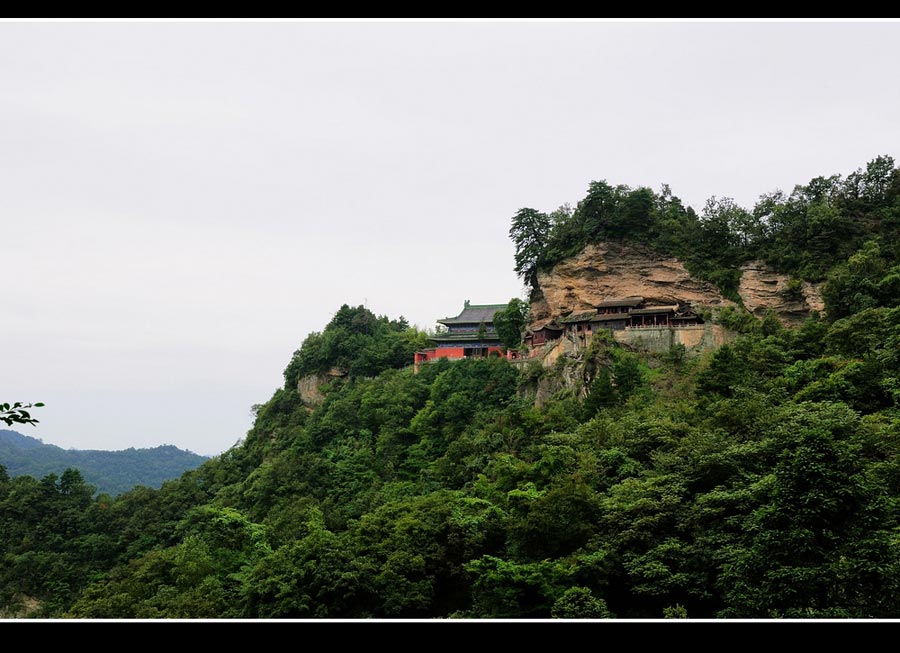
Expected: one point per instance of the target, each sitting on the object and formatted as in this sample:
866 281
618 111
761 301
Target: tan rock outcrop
310 387
611 270
761 289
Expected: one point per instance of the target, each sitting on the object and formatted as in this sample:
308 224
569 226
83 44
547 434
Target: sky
181 203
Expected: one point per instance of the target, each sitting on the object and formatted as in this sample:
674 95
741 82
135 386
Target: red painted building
471 334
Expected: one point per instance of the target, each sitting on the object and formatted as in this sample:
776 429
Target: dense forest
111 472
804 233
760 480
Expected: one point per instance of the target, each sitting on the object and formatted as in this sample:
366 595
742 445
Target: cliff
762 289
609 270
309 387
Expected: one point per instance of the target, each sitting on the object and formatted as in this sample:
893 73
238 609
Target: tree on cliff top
529 232
358 343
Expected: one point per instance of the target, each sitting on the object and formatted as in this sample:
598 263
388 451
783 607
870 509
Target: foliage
529 232
760 480
112 472
579 603
357 343
510 322
867 280
18 413
736 319
805 233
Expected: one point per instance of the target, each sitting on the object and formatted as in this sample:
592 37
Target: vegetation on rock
760 480
355 342
804 233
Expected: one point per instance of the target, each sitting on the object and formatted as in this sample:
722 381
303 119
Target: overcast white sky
181 203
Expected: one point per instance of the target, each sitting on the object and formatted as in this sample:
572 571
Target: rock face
310 387
761 290
611 270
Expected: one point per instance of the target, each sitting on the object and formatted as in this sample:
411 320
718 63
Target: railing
662 326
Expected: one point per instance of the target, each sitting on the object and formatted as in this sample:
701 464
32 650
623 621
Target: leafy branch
18 413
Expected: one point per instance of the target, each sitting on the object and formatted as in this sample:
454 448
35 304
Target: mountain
111 472
758 477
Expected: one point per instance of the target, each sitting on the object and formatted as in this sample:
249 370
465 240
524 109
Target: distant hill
110 471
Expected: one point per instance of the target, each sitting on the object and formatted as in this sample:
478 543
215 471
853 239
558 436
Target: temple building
471 334
612 315
653 316
618 306
543 334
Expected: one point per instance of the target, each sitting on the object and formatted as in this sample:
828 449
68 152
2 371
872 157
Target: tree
529 232
18 413
866 280
725 371
821 543
635 215
602 394
628 375
356 342
580 603
510 322
599 208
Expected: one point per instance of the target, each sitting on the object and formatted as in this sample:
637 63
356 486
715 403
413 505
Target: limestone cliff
613 270
310 387
762 289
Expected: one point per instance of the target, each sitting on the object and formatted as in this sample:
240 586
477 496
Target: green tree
867 280
510 322
580 603
628 374
821 542
356 342
599 211
725 372
602 393
312 577
529 232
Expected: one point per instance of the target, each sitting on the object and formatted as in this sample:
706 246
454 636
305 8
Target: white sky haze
181 203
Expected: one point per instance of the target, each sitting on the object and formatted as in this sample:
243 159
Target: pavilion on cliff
471 334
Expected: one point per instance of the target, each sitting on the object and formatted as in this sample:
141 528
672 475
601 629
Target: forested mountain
111 472
356 343
805 233
758 480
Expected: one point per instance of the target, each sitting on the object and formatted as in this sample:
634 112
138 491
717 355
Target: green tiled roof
474 314
465 337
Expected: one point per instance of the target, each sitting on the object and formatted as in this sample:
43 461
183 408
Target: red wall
448 352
